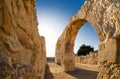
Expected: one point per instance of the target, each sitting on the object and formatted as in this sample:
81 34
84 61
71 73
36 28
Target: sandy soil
81 71
87 67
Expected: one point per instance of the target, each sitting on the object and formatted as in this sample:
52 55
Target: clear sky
54 15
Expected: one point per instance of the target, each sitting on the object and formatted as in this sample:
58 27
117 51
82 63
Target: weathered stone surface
22 50
91 59
107 53
103 15
59 53
68 62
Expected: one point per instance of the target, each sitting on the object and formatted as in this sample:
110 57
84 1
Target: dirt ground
81 71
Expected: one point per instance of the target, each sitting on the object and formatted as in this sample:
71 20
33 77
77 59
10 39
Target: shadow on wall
48 74
83 74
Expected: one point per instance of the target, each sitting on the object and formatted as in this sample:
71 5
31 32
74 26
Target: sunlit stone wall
103 15
22 50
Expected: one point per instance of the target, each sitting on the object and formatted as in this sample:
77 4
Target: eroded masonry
22 50
103 15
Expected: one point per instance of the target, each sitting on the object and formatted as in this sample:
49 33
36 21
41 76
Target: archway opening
65 50
86 48
65 47
86 35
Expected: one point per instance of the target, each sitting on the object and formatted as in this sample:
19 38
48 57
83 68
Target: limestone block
22 50
68 62
101 46
77 59
110 52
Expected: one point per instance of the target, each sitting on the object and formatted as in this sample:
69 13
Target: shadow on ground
54 71
48 74
83 74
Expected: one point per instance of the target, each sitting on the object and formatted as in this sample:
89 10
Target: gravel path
54 71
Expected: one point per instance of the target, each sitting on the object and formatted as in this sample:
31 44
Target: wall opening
88 37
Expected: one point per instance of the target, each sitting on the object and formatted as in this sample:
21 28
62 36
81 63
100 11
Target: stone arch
103 16
58 57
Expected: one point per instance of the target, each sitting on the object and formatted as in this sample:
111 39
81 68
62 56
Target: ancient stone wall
91 59
22 50
103 15
50 59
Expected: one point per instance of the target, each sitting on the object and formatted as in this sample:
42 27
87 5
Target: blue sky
54 15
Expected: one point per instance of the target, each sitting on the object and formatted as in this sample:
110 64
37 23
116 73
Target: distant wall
91 59
50 59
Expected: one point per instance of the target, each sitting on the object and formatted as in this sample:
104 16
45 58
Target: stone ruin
22 50
91 59
103 15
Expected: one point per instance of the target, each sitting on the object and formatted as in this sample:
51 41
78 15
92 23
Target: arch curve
104 17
